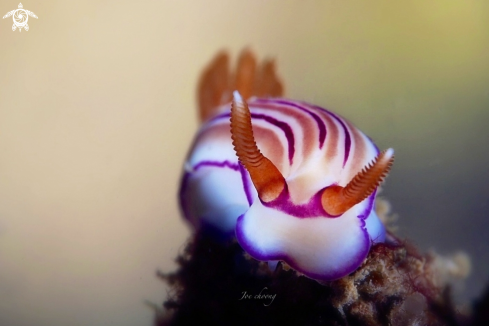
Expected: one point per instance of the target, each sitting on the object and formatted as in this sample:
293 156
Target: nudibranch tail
336 199
267 179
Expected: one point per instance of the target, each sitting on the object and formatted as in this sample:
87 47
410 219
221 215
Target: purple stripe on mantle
289 134
347 135
319 121
347 140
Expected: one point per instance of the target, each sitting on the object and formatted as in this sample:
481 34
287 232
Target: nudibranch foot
320 248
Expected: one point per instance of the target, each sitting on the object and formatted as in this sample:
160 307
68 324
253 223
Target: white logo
21 16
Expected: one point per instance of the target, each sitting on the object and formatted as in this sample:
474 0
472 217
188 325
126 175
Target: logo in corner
20 16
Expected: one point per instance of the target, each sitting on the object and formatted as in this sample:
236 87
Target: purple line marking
345 130
289 134
246 184
319 121
347 139
363 216
233 166
217 164
312 209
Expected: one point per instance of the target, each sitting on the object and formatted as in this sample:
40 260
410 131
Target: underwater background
98 109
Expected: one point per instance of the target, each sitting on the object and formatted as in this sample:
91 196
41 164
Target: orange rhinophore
268 180
336 199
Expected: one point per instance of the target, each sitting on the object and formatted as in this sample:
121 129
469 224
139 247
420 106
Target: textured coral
394 286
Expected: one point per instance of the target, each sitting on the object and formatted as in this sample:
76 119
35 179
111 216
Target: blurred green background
97 111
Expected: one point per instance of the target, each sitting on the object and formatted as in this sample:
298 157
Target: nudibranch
291 180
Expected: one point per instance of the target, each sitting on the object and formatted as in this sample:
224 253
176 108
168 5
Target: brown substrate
392 287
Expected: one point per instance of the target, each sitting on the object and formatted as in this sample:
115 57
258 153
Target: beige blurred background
97 110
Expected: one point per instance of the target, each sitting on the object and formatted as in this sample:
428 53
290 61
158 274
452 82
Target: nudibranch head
292 181
324 237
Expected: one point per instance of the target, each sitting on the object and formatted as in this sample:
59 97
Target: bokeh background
97 110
